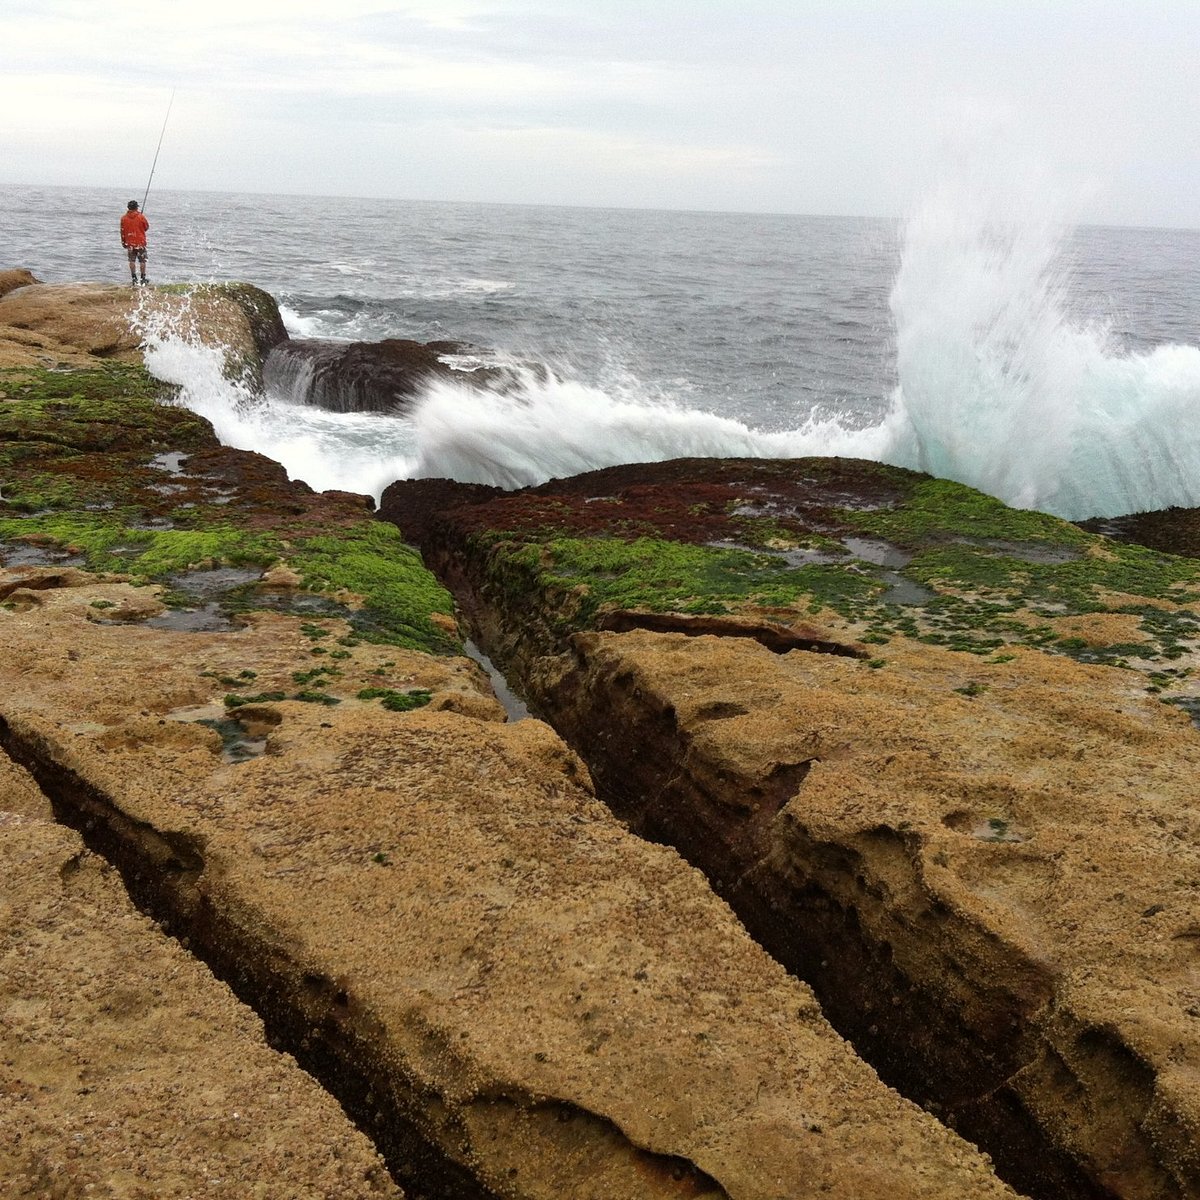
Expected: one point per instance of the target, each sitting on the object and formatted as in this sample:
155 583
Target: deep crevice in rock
813 925
302 1014
317 1019
777 638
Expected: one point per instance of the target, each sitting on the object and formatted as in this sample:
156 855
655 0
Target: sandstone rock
12 279
73 324
20 797
412 504
76 324
515 996
441 921
281 576
34 579
127 1070
984 858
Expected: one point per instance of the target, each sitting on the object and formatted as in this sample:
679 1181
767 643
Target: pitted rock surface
979 847
128 1071
437 906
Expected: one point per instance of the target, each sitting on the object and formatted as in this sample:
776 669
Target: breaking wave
999 387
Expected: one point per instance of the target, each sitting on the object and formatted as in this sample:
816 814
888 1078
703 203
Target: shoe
144 281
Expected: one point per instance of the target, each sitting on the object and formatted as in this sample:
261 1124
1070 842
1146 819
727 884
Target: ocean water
1057 368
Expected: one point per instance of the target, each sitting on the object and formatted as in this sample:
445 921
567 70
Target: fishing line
160 142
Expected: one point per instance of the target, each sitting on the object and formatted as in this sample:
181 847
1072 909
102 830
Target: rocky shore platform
839 772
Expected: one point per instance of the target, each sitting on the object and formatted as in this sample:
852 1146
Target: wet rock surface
1171 530
962 833
77 325
384 376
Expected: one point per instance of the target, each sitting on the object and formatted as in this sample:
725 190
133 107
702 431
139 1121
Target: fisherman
133 238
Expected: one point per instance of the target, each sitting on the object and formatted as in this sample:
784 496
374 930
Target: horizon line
730 212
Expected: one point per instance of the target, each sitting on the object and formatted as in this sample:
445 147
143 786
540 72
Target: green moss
235 701
662 576
941 507
75 454
111 408
395 701
105 381
972 689
373 561
303 677
369 559
145 553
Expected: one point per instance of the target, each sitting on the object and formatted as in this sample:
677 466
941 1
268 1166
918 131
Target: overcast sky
799 106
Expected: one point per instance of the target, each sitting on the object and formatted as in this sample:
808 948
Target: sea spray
1000 389
544 427
344 451
552 428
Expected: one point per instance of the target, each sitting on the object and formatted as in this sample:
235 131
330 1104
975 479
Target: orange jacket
133 229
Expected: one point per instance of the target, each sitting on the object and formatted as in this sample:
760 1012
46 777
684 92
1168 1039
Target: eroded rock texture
948 794
501 982
126 1069
251 699
77 324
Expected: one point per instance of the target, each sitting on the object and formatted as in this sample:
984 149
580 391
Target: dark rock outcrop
383 376
1172 530
412 504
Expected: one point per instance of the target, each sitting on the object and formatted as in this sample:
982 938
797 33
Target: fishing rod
160 142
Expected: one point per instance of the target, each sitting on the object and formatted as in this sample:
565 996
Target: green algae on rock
83 468
888 551
959 841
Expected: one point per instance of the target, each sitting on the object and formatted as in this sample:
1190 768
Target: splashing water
345 451
999 389
553 428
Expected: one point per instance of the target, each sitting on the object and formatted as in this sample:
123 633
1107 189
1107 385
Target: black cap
132 204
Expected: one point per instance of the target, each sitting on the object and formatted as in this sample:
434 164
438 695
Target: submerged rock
384 376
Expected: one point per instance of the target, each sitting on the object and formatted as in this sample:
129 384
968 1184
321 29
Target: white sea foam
998 388
551 428
1001 390
355 452
310 326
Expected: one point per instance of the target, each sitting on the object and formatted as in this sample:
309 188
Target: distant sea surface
1054 367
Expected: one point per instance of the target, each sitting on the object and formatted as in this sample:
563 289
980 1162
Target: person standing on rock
133 238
